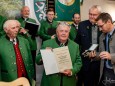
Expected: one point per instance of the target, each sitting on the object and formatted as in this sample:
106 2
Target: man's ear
6 30
109 21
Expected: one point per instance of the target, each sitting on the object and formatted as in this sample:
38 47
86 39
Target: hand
92 54
53 36
49 48
67 72
105 55
22 30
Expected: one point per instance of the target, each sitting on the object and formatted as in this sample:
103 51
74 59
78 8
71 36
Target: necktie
108 62
21 72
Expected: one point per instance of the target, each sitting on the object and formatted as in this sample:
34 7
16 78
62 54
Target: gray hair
63 24
24 8
8 22
98 7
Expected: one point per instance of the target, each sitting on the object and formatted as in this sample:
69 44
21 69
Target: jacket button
13 70
14 63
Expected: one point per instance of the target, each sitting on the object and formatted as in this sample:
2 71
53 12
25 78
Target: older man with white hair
15 54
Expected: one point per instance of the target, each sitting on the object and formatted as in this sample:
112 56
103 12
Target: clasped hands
67 72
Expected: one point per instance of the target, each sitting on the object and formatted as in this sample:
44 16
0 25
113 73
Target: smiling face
76 19
63 33
12 28
93 14
25 12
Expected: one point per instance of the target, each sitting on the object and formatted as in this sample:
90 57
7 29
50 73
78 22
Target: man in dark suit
88 34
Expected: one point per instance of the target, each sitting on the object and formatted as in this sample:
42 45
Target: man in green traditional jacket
2 20
25 12
68 76
48 27
15 64
74 26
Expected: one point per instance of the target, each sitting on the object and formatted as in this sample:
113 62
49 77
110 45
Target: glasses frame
100 26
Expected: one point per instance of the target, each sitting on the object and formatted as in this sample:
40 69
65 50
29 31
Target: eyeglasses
100 26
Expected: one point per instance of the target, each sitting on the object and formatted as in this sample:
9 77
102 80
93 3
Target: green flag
39 9
66 8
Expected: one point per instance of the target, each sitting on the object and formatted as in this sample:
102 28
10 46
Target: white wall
107 6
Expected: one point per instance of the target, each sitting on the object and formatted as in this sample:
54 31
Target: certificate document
56 60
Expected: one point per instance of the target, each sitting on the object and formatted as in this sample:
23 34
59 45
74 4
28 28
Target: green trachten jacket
54 79
8 71
22 21
2 20
73 32
45 25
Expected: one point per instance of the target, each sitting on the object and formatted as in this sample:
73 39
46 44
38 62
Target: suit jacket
112 50
54 79
8 59
22 22
84 39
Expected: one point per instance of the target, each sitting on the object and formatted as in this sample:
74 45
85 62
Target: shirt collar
49 21
111 32
25 19
76 25
14 40
59 43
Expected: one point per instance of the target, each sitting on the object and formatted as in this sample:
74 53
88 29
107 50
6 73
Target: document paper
57 60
